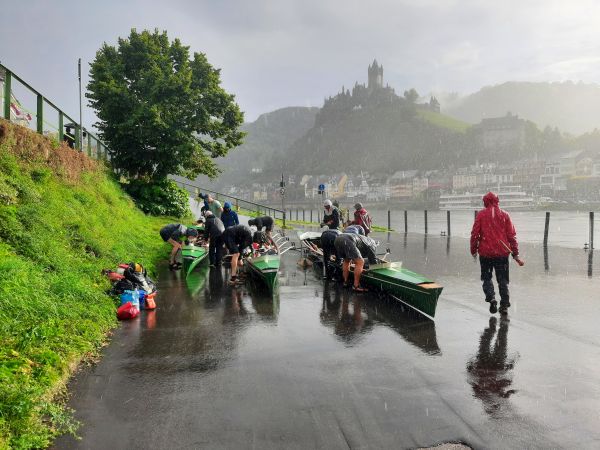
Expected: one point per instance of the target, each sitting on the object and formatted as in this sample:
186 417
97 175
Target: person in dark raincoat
494 238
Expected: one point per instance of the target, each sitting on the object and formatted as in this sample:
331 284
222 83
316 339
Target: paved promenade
321 367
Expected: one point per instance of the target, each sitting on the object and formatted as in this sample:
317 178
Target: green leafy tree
160 111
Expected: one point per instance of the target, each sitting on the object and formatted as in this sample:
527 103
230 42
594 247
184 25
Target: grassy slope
62 219
442 120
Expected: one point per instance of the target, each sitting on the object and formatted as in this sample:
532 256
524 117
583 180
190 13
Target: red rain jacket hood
493 234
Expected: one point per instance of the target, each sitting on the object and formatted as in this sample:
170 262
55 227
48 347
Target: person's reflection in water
350 325
490 371
330 308
234 308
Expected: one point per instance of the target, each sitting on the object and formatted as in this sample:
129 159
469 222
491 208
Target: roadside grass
60 224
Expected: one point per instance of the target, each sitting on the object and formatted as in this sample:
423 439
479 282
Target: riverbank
63 218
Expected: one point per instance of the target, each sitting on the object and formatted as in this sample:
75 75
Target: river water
567 228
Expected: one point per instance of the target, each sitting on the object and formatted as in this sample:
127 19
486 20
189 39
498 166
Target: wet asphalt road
321 367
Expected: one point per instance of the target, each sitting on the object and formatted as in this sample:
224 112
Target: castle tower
375 76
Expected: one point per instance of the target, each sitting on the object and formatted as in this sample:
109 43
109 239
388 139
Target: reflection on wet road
319 366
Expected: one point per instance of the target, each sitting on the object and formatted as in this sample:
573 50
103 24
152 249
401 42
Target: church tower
375 76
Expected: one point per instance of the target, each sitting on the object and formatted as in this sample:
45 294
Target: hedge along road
320 366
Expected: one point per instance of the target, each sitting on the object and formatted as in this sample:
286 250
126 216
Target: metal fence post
546 227
425 221
303 218
283 219
389 220
40 114
311 215
77 143
61 127
448 220
405 221
7 93
89 145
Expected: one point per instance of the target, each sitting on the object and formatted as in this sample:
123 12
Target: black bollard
405 221
546 227
425 221
448 221
591 230
389 220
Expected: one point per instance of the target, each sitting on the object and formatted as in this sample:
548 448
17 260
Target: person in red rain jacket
493 237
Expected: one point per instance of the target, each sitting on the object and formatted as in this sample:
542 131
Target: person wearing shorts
236 239
267 223
348 246
172 234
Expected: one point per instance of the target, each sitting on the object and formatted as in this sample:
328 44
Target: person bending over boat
265 222
264 245
213 233
328 246
493 237
353 247
173 233
237 238
331 216
229 217
356 229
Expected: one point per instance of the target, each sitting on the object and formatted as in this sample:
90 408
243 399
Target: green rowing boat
192 256
409 287
266 268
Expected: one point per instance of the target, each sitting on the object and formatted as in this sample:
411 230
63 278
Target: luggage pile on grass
135 290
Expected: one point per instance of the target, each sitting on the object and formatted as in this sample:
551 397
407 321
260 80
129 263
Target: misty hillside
271 132
379 139
573 108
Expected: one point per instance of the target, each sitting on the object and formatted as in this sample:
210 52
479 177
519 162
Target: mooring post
405 221
425 221
591 230
448 221
546 227
389 220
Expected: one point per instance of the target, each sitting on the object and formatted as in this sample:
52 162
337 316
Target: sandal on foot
359 289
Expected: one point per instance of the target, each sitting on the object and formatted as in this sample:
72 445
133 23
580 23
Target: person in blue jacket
229 217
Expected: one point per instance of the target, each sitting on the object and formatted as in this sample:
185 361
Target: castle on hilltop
372 95
375 76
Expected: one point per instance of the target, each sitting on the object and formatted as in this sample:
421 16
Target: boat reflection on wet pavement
319 366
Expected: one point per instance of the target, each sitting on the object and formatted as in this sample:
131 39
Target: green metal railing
43 109
194 190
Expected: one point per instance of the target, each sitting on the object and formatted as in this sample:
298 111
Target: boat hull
192 257
407 286
265 268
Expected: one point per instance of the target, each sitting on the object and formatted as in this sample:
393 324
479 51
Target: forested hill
572 107
270 133
380 138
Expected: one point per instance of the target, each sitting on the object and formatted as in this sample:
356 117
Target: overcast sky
276 53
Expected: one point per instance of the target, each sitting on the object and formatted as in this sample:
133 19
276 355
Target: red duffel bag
127 311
